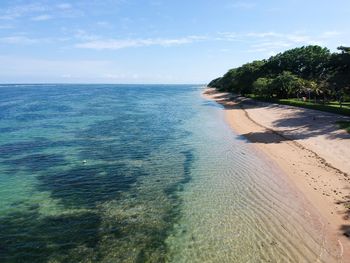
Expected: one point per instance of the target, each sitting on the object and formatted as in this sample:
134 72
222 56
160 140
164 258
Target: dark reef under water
110 159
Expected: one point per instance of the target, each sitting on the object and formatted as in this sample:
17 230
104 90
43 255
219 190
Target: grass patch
332 107
344 125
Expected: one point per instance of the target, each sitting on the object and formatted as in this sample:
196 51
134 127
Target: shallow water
141 173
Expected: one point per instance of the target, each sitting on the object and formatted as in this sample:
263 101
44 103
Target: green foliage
246 75
239 80
310 71
305 62
262 87
286 85
339 73
215 83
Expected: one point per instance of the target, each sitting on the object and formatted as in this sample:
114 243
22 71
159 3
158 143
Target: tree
339 74
310 69
246 75
286 85
215 83
239 80
305 62
262 87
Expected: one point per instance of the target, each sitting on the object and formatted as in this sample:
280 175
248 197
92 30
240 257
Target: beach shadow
345 229
225 97
298 124
305 123
247 103
264 137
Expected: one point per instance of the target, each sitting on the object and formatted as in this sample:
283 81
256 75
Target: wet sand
307 146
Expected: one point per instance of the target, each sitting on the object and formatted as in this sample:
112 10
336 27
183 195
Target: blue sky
155 41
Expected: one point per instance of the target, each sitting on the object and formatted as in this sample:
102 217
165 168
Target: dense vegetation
310 73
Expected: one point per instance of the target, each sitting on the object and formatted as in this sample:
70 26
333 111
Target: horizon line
94 83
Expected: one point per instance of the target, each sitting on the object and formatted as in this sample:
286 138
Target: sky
156 41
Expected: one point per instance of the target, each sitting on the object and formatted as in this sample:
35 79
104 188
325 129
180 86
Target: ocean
141 173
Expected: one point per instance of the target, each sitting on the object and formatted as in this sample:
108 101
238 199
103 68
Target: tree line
309 72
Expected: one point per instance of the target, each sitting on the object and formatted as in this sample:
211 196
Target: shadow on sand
300 123
345 229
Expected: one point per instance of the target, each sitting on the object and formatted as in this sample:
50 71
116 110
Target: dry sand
307 145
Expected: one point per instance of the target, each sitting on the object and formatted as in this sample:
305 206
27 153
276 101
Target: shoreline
324 181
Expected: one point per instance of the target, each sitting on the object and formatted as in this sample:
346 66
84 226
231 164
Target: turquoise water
141 173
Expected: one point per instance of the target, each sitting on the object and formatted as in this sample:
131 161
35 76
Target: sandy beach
307 145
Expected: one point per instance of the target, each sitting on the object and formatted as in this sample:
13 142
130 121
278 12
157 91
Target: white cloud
21 10
275 44
271 42
127 43
22 39
263 34
227 36
82 35
18 40
42 18
268 41
38 11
